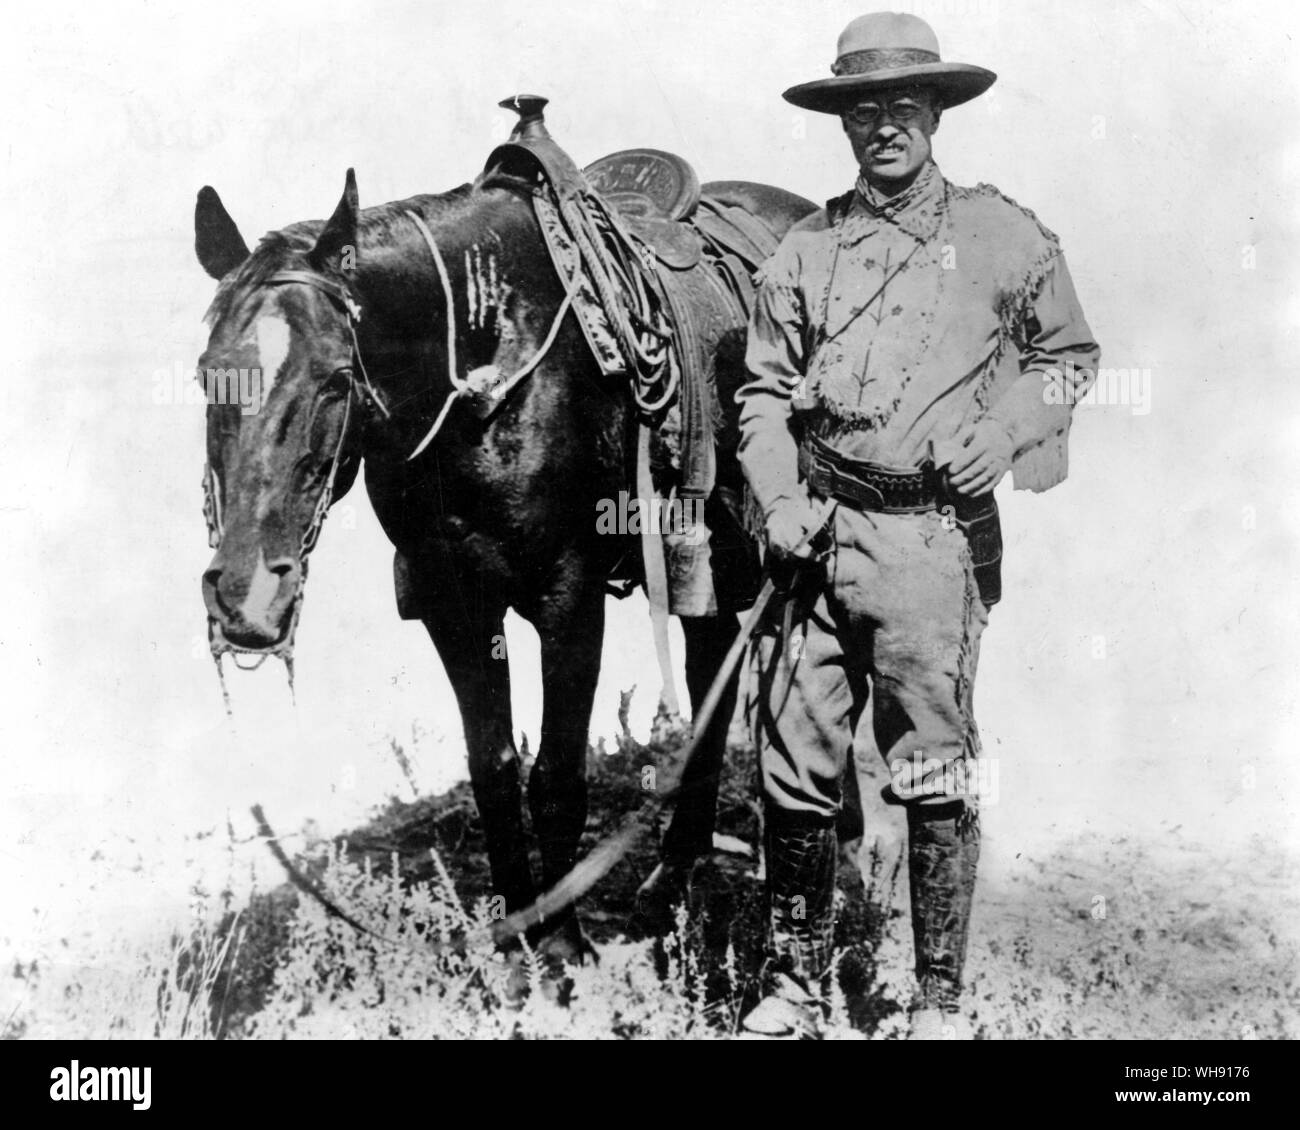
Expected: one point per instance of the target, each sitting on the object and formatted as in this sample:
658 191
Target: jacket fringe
1046 464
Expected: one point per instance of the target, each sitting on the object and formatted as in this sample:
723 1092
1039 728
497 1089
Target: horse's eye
331 381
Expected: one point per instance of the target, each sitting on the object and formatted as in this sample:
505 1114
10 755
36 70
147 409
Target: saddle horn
532 124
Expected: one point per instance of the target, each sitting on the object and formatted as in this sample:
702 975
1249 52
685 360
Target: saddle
659 269
655 193
658 194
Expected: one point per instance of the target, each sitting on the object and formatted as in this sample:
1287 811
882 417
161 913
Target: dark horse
346 322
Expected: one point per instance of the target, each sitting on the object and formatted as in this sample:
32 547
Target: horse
352 325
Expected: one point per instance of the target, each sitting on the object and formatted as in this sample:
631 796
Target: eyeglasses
904 111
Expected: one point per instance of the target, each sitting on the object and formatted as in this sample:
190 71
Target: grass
166 987
1048 959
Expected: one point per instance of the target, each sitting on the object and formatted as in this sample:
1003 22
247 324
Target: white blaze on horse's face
263 589
271 335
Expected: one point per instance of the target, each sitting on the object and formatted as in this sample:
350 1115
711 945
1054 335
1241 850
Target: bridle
494 389
212 501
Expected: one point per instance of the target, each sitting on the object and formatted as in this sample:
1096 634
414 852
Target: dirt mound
1132 938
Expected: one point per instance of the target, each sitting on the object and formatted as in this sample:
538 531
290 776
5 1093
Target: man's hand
790 526
982 456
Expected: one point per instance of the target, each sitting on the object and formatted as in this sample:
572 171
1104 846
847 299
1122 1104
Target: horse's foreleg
690 833
471 643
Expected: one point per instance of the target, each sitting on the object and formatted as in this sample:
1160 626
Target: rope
354 313
647 348
464 386
452 371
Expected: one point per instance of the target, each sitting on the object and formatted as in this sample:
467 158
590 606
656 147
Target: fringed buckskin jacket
886 326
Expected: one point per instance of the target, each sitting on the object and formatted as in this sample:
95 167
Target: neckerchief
916 210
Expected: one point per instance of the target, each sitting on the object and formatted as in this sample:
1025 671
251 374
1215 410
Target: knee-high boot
801 861
801 856
943 851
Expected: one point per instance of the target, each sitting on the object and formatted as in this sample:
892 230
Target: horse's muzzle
252 606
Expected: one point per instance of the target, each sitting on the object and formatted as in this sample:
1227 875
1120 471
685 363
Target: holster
978 518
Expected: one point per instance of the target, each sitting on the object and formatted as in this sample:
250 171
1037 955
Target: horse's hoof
657 899
552 955
568 944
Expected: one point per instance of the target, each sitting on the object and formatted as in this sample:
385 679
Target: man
910 344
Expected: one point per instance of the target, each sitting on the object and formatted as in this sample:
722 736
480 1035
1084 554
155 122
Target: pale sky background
1157 138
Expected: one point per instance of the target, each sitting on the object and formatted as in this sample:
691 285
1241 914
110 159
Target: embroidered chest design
876 312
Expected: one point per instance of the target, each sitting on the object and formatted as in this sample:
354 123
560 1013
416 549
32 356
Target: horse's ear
339 238
217 241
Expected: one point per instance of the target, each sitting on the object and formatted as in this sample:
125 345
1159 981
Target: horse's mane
288 248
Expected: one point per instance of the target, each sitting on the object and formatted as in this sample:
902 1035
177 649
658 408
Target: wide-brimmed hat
885 49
